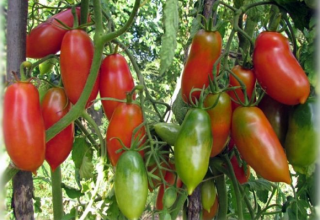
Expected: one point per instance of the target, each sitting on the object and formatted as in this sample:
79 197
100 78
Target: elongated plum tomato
259 145
115 81
192 148
205 50
75 63
208 194
23 126
46 38
131 184
213 211
54 106
220 117
170 178
278 71
248 77
126 117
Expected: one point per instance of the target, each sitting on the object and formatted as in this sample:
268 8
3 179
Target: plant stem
57 194
223 197
84 11
7 175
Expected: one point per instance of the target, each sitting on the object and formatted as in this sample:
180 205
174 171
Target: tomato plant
205 49
126 117
131 184
278 71
192 148
46 38
248 77
302 152
220 117
115 81
259 145
54 106
74 72
23 126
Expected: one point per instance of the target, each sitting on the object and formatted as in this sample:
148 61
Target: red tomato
240 173
126 117
54 106
115 81
278 71
220 116
23 126
205 50
46 38
170 179
75 63
247 77
213 211
259 145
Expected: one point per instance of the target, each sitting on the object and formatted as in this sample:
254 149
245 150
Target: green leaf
195 26
259 184
72 193
37 204
263 195
82 158
169 39
70 215
113 211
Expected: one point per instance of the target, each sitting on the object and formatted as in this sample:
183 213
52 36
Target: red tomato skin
74 72
220 116
205 50
259 145
248 78
23 126
115 81
46 38
125 119
278 71
54 106
170 179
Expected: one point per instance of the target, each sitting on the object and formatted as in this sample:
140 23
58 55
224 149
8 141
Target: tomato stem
84 11
75 18
24 65
56 194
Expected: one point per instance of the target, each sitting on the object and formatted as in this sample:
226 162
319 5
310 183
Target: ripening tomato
131 184
247 77
126 117
170 178
220 116
205 50
75 63
46 38
54 106
278 71
115 81
23 126
192 148
213 211
259 145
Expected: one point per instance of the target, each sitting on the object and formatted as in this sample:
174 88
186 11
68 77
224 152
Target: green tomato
168 132
169 197
46 66
301 139
192 148
208 194
131 184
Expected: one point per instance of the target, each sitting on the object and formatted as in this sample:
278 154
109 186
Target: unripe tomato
54 106
170 178
259 145
301 139
192 148
131 184
205 49
46 38
213 211
220 117
168 132
208 194
278 71
115 81
247 77
75 63
126 117
23 126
